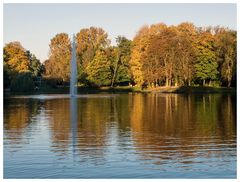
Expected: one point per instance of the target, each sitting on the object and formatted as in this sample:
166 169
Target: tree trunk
176 83
166 82
229 83
203 82
115 71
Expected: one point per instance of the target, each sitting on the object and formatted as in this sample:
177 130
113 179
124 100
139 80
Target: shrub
23 82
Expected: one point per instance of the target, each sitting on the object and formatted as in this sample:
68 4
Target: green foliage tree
98 70
206 64
6 75
23 82
35 65
121 67
89 41
206 69
158 55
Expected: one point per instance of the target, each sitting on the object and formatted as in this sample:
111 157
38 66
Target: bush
6 79
216 83
51 82
23 82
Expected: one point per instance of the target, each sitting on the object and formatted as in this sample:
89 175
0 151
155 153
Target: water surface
120 136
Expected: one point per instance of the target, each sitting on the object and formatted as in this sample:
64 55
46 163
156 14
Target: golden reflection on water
155 124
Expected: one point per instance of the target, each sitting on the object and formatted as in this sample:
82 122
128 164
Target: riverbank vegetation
159 56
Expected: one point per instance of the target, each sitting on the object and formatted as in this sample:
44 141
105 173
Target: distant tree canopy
58 64
99 63
20 65
158 55
183 55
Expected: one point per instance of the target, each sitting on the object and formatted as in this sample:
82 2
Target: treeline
20 68
99 63
159 55
184 55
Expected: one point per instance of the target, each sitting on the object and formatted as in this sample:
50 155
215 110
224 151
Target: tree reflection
159 127
93 116
18 117
59 124
180 126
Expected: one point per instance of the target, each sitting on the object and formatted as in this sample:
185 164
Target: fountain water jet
73 79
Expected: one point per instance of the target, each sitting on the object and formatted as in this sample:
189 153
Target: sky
35 24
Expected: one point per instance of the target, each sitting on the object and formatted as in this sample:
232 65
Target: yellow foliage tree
15 57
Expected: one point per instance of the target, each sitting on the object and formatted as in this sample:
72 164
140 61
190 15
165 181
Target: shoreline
127 89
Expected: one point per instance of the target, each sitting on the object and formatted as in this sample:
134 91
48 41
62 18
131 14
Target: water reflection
155 131
73 109
183 128
19 119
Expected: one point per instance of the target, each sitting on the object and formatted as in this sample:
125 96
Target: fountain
73 93
73 79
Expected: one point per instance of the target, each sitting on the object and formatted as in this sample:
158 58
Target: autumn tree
89 41
164 54
155 61
19 63
15 57
158 55
227 54
186 54
58 64
140 44
170 54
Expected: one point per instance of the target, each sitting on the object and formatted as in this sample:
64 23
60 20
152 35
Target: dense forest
158 55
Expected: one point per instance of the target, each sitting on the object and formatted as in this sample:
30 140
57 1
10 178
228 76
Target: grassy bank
200 90
127 89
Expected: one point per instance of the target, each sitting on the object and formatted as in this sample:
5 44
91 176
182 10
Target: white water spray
73 79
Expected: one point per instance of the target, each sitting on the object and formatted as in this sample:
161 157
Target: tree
15 57
18 61
121 68
23 82
35 65
140 43
98 70
6 75
206 69
186 54
154 62
206 63
89 41
227 54
58 64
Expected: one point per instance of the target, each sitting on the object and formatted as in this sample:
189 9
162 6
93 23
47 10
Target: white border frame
117 1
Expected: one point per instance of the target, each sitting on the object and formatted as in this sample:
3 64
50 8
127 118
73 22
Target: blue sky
35 24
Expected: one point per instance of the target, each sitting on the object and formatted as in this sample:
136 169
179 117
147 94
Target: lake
132 135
